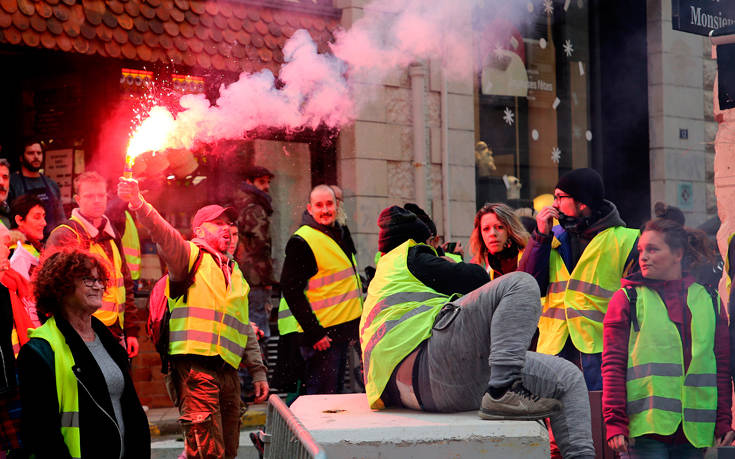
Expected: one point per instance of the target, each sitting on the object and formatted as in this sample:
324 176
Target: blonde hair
516 231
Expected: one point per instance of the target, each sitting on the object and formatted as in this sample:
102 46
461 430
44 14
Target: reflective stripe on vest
334 292
113 299
659 394
214 318
15 341
575 305
66 384
399 314
131 246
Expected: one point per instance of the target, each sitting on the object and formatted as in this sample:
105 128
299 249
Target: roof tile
47 40
64 42
125 21
38 23
129 51
44 10
10 6
119 35
22 23
54 26
226 35
26 7
115 6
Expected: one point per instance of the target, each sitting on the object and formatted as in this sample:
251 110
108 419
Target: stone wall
680 79
375 155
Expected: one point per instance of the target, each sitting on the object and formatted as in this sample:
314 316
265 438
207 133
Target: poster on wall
701 16
59 167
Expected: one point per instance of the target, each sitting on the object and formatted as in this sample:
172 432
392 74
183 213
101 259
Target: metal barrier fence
285 437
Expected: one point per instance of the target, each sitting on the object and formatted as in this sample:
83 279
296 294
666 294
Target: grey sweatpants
485 341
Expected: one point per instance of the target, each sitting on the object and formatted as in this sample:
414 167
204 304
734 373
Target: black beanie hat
423 216
584 185
397 225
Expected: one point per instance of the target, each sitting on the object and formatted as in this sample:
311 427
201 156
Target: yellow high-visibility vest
399 314
66 384
334 292
660 395
575 305
131 246
212 317
113 299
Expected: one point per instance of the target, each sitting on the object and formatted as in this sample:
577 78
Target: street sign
701 16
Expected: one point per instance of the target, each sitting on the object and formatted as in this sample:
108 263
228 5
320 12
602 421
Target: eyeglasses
93 281
559 197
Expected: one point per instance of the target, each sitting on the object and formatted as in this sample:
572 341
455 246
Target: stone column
724 174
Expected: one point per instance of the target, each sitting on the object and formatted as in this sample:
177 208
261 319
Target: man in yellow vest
209 331
439 336
90 229
578 266
322 293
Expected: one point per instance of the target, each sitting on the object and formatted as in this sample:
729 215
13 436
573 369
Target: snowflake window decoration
555 155
568 48
508 116
548 7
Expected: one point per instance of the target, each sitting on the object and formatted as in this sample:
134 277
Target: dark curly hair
55 278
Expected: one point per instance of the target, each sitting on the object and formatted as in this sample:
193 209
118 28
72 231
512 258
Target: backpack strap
632 295
715 299
179 288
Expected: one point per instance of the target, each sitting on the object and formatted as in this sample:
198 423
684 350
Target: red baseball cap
212 212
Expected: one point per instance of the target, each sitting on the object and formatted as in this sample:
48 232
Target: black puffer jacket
100 437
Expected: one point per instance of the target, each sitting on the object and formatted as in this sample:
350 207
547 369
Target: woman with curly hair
498 239
77 395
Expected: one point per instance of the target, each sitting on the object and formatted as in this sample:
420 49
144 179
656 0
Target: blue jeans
322 374
646 448
591 364
259 308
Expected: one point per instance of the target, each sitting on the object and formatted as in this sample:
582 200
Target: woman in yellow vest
498 239
76 391
666 381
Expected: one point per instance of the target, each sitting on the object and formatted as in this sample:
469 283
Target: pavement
167 441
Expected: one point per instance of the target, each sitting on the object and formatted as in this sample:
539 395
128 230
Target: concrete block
680 101
670 164
350 15
462 179
346 428
367 245
367 210
370 100
709 70
400 181
462 215
433 109
461 147
681 70
398 105
369 176
461 112
377 141
663 132
435 138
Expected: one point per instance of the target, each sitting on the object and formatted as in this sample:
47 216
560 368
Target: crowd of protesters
632 313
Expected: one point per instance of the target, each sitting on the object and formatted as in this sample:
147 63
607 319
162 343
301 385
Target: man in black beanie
425 348
578 266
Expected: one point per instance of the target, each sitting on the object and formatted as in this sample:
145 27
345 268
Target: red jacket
615 354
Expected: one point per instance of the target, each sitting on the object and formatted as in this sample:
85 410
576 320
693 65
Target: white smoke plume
321 89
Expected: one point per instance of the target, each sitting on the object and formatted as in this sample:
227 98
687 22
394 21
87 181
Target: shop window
534 106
